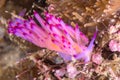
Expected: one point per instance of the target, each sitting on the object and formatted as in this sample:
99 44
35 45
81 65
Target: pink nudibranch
53 34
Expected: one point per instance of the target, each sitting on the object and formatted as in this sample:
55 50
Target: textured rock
2 2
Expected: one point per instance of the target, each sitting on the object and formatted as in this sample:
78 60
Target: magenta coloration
53 34
114 45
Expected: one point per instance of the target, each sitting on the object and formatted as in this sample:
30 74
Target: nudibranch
52 33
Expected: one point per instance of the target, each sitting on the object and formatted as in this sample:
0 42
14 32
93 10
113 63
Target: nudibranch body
52 33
